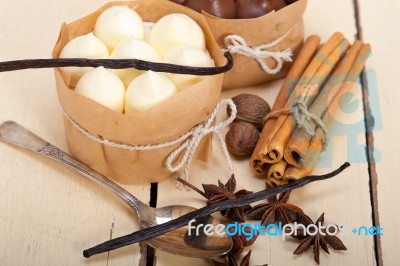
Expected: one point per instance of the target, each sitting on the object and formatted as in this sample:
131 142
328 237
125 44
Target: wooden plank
344 199
49 214
380 32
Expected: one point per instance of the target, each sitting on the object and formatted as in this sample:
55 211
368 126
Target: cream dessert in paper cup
90 126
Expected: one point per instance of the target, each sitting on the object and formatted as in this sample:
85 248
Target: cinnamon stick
307 89
298 146
274 182
276 174
292 173
277 170
303 59
302 150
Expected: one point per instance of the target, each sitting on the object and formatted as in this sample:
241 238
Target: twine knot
188 148
237 45
303 118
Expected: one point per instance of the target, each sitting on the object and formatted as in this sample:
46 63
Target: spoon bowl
185 243
180 241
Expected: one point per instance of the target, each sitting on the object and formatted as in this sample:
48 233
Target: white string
188 147
237 45
303 118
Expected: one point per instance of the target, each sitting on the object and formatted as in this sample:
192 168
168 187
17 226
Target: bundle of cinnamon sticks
297 129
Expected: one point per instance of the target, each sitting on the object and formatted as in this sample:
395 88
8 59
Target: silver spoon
177 242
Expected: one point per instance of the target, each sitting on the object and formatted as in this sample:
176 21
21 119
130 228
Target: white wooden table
49 214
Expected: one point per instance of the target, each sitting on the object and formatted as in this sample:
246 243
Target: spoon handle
12 132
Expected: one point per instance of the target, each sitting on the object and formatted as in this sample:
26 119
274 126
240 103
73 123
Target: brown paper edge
246 71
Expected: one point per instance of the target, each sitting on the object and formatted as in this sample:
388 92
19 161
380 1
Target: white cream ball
188 56
148 90
104 87
175 30
118 23
133 48
84 46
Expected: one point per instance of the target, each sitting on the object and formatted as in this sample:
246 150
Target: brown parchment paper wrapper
164 122
257 31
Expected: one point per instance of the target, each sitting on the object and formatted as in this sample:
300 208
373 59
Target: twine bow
237 45
191 139
303 118
189 147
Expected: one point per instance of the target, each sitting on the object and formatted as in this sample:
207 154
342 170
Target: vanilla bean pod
157 230
116 64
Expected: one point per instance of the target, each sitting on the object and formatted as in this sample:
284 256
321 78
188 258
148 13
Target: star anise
232 261
222 192
317 240
276 210
240 240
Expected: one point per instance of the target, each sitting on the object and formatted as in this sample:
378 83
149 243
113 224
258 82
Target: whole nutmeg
242 138
218 8
251 109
